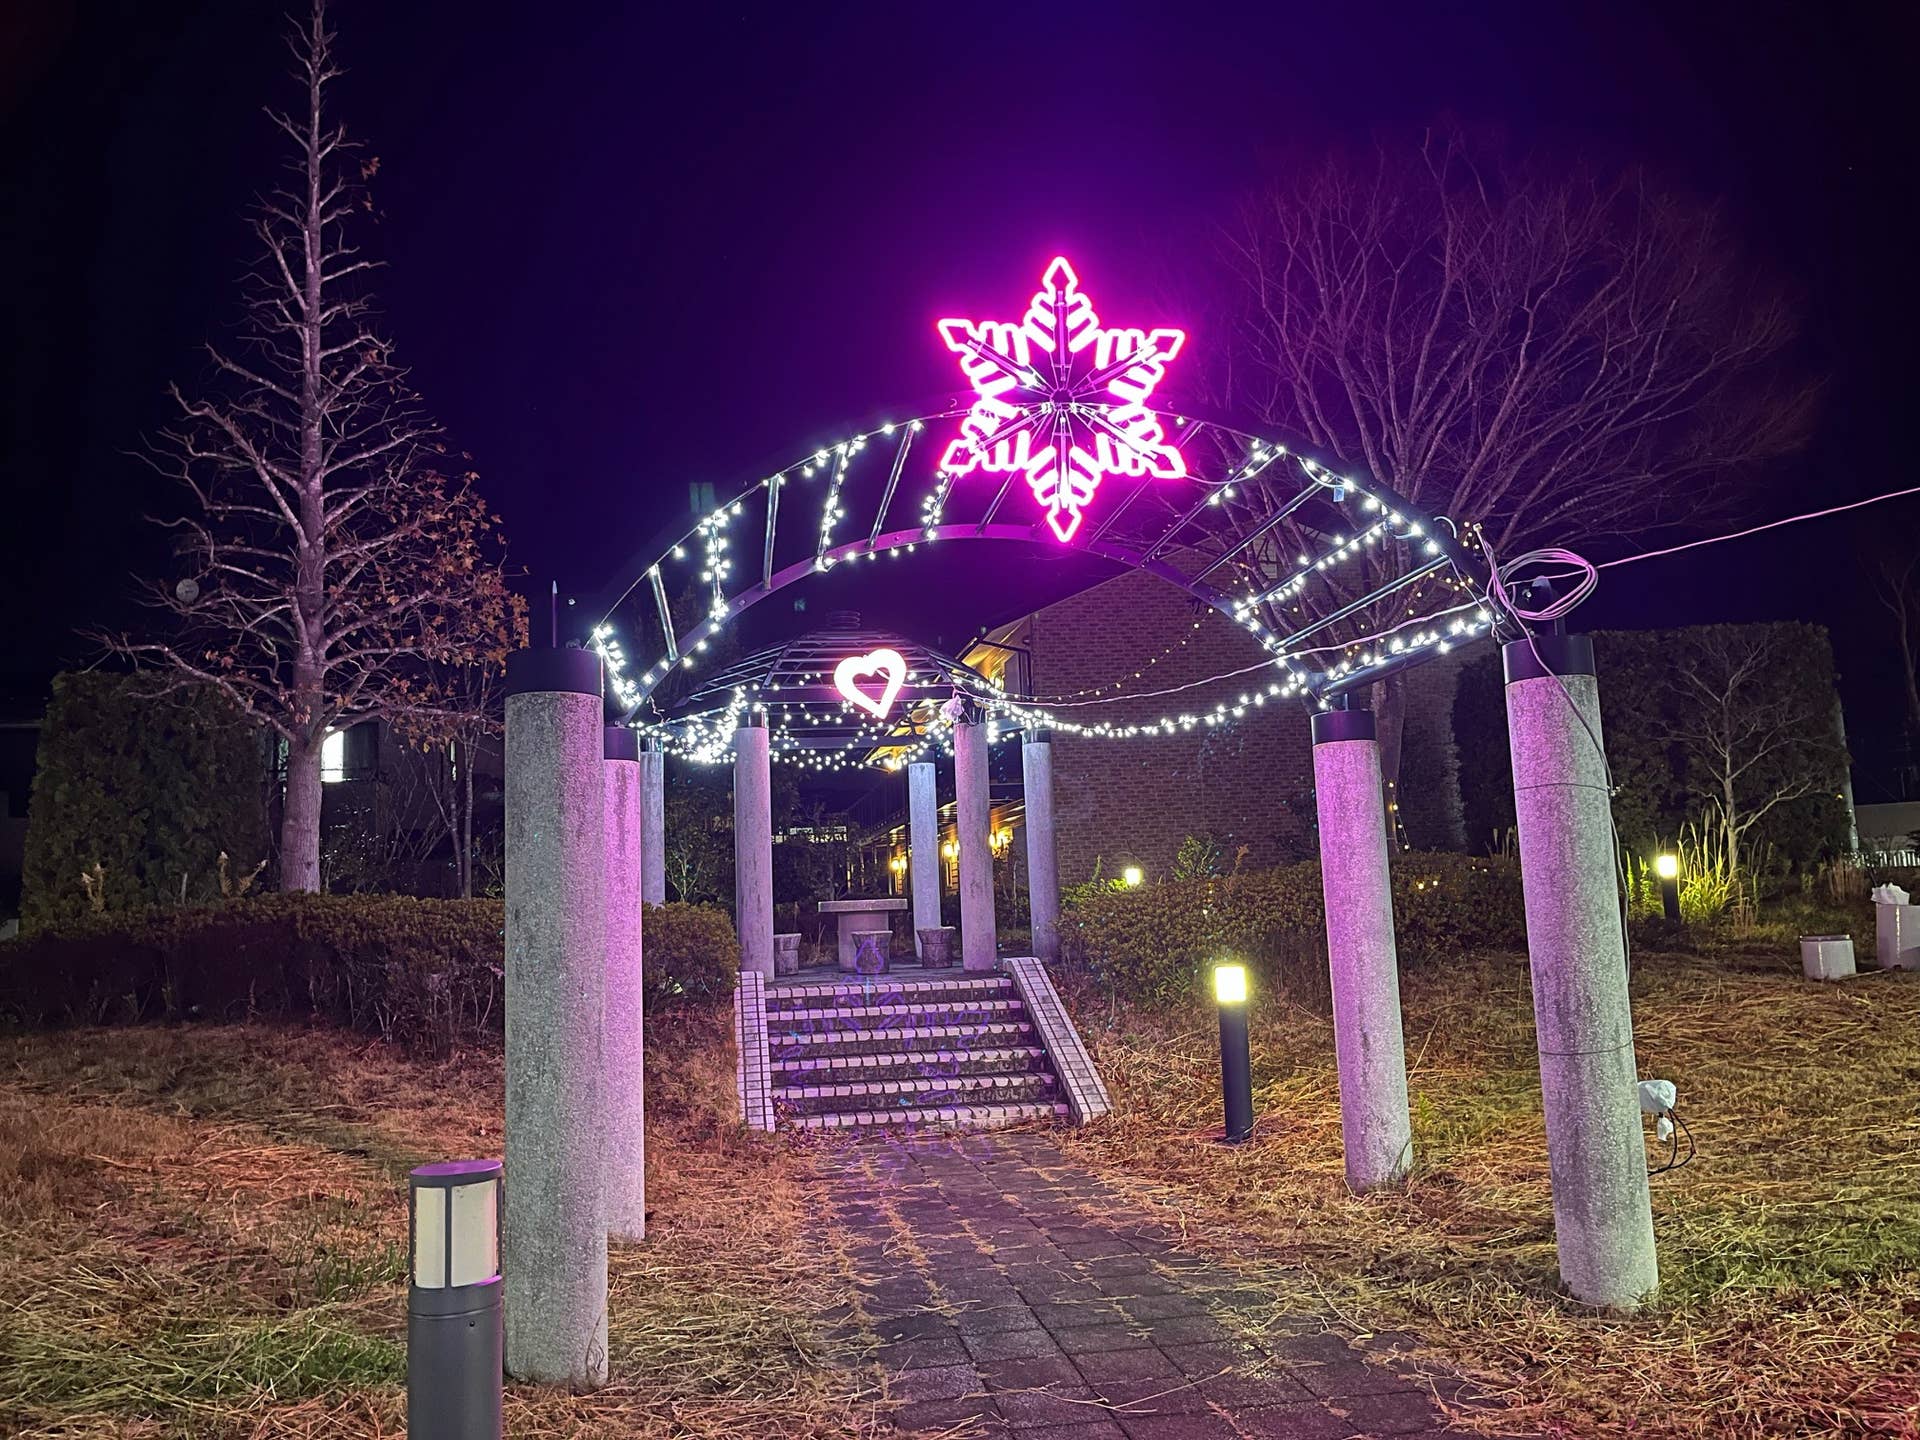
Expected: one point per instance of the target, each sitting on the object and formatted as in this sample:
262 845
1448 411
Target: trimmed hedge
1155 943
426 974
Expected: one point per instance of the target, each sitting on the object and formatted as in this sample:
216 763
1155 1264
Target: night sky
676 244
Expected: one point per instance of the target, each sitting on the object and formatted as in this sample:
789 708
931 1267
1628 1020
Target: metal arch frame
1319 688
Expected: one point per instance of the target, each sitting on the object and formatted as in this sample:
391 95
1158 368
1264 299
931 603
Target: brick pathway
1003 1308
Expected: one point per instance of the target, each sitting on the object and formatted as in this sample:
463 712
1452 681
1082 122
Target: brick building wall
1133 801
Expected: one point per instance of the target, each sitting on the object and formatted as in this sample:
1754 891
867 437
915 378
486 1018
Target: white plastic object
1656 1098
1826 957
1890 895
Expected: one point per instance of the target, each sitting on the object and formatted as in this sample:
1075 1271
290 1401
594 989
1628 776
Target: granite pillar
623 1048
1043 861
1362 960
653 824
973 796
923 845
1602 1216
554 1225
753 846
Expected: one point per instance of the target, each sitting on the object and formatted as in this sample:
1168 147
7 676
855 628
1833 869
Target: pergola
847 694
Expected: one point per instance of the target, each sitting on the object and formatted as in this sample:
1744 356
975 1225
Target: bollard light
1667 867
1132 876
1236 1059
454 1331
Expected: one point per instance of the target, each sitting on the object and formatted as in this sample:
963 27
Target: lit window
333 757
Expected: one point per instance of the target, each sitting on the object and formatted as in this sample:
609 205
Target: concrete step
945 1117
885 990
854 1041
919 1092
895 1017
901 1065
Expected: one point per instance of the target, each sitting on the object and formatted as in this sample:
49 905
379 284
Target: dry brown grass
1790 1249
202 1232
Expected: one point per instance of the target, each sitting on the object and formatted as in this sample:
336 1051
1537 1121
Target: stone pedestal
786 953
653 824
979 945
923 841
753 848
936 946
1602 1217
623 1030
1043 863
554 1226
1362 960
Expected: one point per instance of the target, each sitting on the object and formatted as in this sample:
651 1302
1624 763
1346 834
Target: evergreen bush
141 795
426 974
1156 942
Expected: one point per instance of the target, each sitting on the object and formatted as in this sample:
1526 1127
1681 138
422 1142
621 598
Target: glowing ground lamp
455 1339
1236 1058
1133 876
1667 867
1061 399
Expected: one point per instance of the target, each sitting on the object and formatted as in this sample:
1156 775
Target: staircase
927 1051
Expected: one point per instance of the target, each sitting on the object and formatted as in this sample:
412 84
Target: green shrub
140 794
1155 942
426 974
691 952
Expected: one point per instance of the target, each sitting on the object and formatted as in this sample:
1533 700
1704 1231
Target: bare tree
1896 584
1541 356
331 560
1753 738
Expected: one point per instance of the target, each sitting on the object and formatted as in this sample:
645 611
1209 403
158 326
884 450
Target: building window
333 757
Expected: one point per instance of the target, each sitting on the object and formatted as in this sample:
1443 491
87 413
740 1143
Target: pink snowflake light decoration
1062 399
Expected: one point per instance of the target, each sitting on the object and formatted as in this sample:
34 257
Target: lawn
202 1229
202 1233
1789 1248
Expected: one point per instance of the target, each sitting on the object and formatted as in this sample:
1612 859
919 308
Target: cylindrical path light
1667 867
1236 1055
1602 1216
554 1230
454 1336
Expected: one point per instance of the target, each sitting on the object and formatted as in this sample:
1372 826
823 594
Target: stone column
1043 861
623 1048
978 947
554 1228
653 824
923 845
1602 1217
1357 886
753 846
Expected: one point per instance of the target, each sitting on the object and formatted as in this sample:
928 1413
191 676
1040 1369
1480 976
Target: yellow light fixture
1132 876
1230 984
1666 866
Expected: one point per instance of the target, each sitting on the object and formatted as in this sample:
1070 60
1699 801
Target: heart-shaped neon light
887 663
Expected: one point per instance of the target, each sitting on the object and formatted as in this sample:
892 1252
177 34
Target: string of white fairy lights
699 737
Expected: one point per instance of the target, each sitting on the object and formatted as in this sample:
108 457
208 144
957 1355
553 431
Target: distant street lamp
1667 867
1236 1058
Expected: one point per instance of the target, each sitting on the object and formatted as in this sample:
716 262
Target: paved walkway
1005 1308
